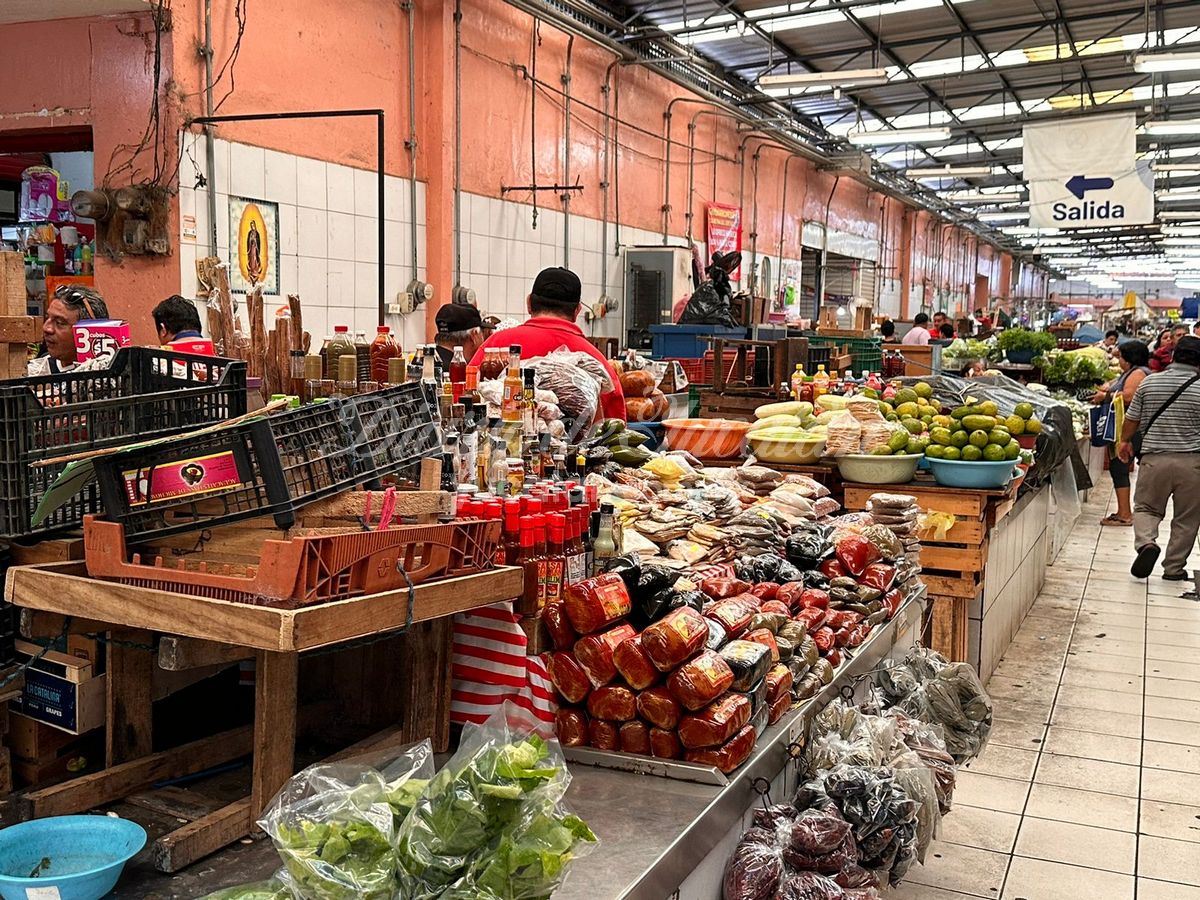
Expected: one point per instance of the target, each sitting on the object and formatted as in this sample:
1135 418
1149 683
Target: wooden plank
13 298
427 670
955 559
108 785
37 624
20 330
353 504
997 510
330 623
62 550
6 772
178 654
130 701
206 835
950 624
275 679
176 802
964 531
63 588
950 586
959 501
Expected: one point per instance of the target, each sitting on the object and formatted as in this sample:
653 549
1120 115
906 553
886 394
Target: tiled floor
1090 786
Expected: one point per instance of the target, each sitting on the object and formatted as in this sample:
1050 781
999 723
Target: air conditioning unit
857 162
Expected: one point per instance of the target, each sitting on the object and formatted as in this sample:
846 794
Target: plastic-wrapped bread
568 677
729 755
767 639
716 723
659 708
571 727
593 603
675 638
604 735
633 664
699 682
635 738
779 682
595 653
614 702
748 661
559 626
779 706
843 435
665 744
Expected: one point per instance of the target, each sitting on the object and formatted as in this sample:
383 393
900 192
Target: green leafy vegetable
271 889
466 806
338 860
1024 339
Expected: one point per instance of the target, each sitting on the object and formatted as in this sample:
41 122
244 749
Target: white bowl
867 468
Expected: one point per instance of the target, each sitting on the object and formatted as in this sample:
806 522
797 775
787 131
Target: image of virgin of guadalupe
254 267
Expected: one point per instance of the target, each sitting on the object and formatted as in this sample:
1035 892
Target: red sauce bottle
527 558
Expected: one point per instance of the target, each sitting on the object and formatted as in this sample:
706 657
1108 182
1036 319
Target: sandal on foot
1114 519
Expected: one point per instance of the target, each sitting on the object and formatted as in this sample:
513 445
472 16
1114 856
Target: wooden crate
950 624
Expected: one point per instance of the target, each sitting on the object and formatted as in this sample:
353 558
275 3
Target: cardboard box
72 707
36 741
61 665
100 338
89 649
84 754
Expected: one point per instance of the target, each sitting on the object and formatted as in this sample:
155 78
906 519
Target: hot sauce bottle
528 559
556 558
512 531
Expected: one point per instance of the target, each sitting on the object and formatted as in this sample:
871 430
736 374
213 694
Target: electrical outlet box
393 308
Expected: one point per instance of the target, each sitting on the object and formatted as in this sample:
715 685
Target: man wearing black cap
553 307
458 325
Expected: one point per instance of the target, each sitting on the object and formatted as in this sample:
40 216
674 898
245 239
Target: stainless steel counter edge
697 838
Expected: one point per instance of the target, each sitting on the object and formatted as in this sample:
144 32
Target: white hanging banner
1083 173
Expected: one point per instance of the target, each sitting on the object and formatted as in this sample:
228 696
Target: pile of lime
916 409
977 432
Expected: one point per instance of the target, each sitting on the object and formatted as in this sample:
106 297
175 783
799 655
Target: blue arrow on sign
1080 185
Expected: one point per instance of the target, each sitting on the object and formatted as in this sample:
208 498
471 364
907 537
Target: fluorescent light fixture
1181 242
890 136
928 174
1016 215
1181 230
837 78
1168 215
1192 196
1176 169
981 197
1146 63
1168 127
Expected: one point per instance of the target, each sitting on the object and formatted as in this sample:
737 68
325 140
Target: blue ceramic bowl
85 855
978 474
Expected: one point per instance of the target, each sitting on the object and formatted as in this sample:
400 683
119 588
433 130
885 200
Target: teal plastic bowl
979 474
79 856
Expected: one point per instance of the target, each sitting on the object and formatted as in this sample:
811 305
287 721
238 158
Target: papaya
979 422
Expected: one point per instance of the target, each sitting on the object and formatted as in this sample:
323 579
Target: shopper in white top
70 303
918 335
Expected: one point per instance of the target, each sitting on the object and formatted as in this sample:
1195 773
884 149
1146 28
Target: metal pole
210 149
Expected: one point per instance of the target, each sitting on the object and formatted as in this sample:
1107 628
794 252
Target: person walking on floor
1134 359
1165 417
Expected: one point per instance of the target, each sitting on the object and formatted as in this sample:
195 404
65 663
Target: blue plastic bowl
978 474
86 855
652 430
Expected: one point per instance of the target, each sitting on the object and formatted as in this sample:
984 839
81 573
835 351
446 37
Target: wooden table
205 631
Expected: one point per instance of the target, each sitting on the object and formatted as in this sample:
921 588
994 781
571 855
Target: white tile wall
328 224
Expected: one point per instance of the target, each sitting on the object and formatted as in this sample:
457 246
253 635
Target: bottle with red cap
532 564
511 544
575 551
556 558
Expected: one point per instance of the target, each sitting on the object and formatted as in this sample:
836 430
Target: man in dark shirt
458 325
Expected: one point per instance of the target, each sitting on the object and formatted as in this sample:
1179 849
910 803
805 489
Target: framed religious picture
254 244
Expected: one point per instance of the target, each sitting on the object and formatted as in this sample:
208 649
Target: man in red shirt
553 307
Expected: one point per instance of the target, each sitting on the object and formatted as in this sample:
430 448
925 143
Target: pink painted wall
99 73
309 59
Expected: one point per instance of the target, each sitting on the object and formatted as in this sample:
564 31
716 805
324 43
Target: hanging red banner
724 231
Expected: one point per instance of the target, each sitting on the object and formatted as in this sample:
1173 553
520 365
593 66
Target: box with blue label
689 341
74 707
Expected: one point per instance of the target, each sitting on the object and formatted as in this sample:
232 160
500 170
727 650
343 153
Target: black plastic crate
146 393
267 466
394 431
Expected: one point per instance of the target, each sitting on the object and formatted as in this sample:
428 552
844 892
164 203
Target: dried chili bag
753 872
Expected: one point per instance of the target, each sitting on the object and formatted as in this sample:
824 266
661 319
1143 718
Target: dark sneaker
1175 576
1143 566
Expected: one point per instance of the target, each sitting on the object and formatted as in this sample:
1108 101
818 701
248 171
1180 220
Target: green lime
1015 424
959 439
971 453
951 453
1033 426
1012 450
1024 410
978 438
993 453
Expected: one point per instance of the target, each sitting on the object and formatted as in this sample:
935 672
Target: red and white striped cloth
490 666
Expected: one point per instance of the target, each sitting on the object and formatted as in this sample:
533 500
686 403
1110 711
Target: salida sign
1083 173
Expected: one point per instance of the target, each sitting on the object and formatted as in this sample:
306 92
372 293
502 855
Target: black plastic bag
654 579
709 306
814 578
787 572
629 567
808 545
